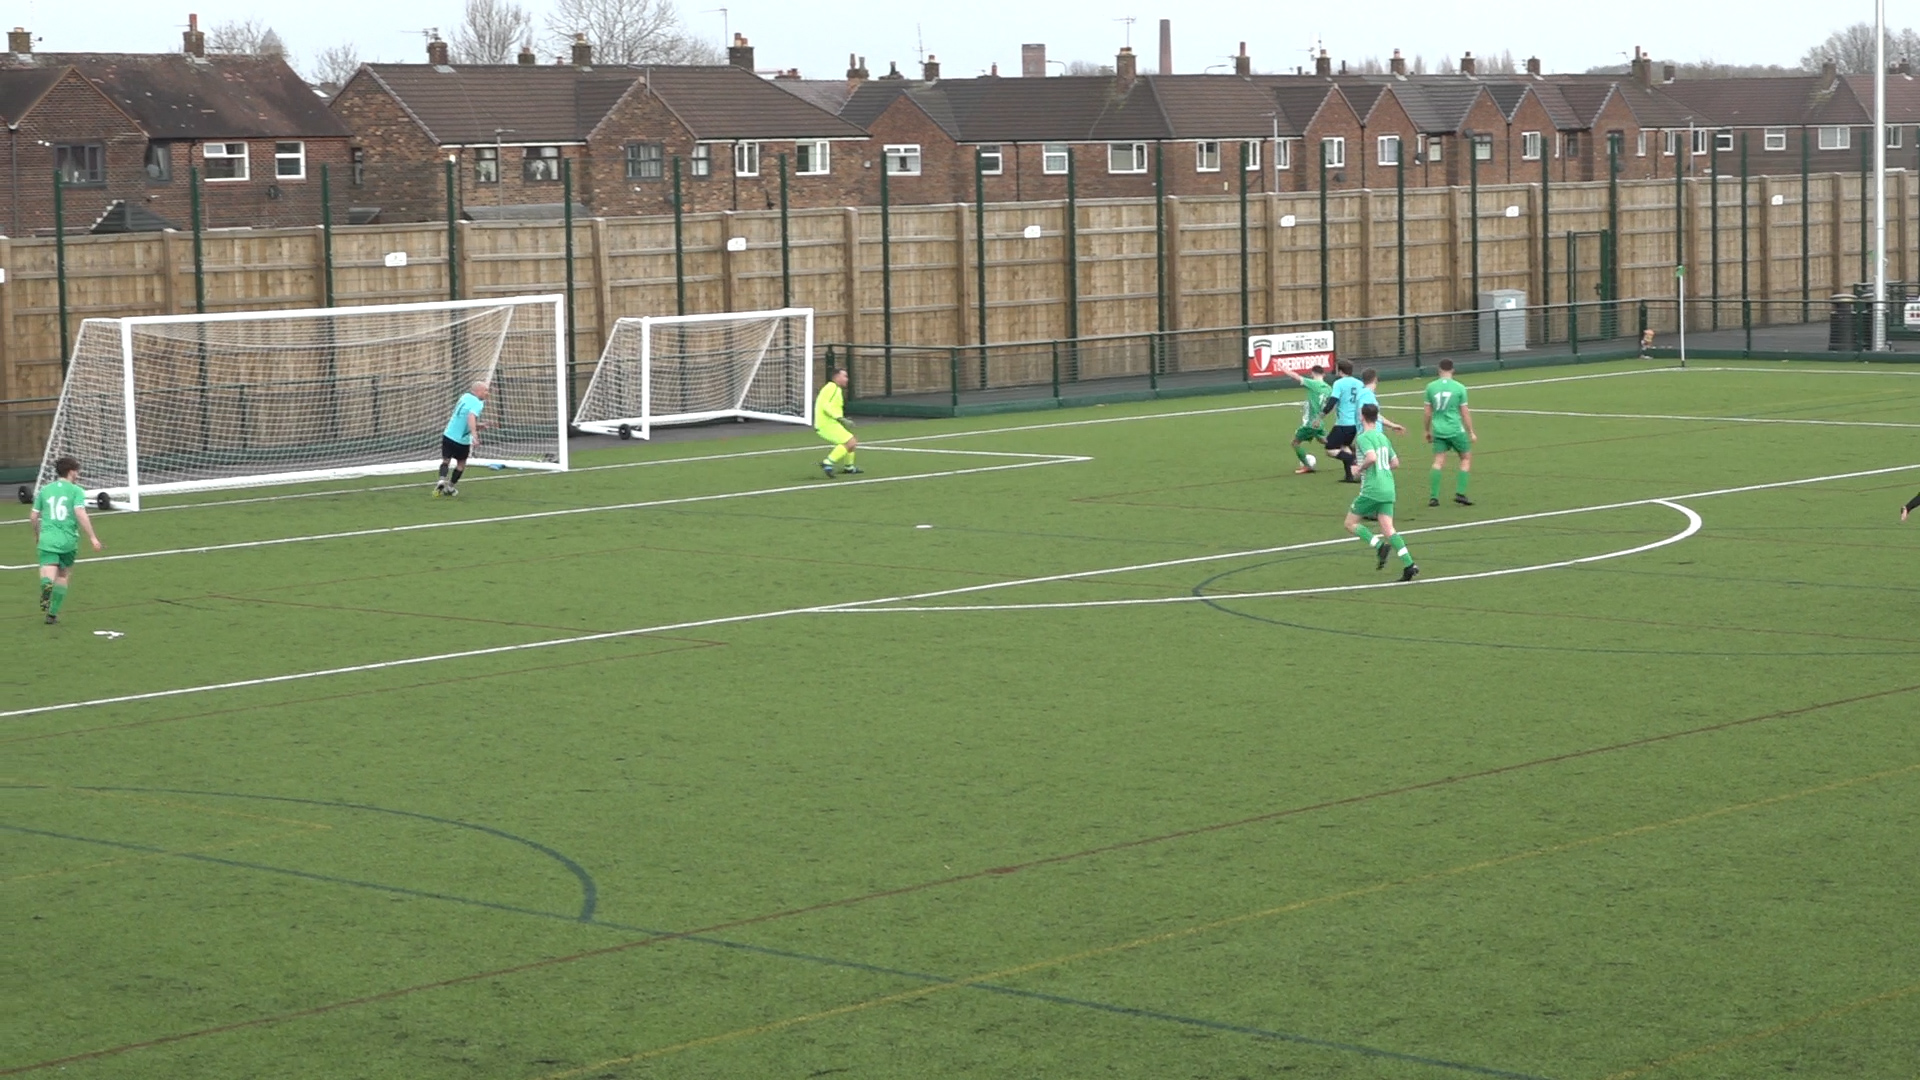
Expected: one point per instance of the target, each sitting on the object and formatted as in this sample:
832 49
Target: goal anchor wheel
626 432
25 495
103 500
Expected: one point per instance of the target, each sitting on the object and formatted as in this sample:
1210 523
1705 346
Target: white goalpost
686 369
176 403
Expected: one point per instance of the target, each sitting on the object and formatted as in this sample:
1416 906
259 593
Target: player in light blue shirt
461 438
1344 401
1369 380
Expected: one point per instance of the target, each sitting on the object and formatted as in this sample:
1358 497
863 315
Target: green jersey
1377 482
59 525
1317 391
1444 397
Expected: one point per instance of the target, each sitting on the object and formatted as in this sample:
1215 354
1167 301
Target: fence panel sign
1276 354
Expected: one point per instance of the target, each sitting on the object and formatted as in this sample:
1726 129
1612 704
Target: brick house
255 133
57 120
1832 113
507 128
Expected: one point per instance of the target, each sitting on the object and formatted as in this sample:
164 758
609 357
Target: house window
1433 148
1054 158
486 165
1672 145
1283 153
1389 147
903 159
357 158
541 164
225 160
290 160
812 158
1700 141
1333 152
992 161
1641 146
1723 141
1530 145
1836 138
1125 157
159 163
701 165
1250 155
646 161
81 163
1616 144
1893 136
1483 148
1776 139
1206 157
746 159
1573 144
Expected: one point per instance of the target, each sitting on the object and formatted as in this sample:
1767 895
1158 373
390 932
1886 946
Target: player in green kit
1309 430
1375 460
59 513
1449 427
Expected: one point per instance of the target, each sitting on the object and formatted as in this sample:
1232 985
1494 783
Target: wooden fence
1127 272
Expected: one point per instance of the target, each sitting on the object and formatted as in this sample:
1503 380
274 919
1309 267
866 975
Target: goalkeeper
830 423
460 438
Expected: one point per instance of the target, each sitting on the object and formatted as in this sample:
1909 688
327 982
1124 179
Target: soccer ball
1312 461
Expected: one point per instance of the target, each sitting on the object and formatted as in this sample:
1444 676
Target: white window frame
1702 140
1250 155
1775 139
298 155
700 163
1055 158
1434 149
226 152
817 155
1723 141
1670 146
1333 151
1483 148
1387 149
1533 144
1893 136
901 159
993 158
746 158
1283 154
1136 152
1641 144
1836 137
1203 152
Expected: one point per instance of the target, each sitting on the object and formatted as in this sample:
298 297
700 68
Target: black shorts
1342 435
458 451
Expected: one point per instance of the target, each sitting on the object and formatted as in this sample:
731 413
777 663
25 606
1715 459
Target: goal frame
641 427
129 496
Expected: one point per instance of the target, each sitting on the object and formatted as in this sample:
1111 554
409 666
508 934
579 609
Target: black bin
1843 329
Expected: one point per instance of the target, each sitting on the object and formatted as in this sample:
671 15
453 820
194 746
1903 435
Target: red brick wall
72 111
1529 115
1389 117
1336 119
403 173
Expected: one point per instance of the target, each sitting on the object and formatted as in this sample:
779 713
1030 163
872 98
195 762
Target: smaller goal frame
641 427
129 496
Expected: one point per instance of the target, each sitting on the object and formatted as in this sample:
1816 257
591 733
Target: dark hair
1370 411
1346 367
1446 365
66 465
1369 375
1319 369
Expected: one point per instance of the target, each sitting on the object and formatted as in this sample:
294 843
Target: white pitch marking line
856 604
1692 527
389 530
1713 419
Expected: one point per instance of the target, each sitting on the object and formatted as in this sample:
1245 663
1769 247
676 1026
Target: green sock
1299 453
1400 549
1433 484
1460 482
1366 535
59 597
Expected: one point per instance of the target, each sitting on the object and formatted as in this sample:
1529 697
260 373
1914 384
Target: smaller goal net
175 403
686 369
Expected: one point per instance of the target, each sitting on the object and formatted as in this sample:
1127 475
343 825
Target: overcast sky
816 35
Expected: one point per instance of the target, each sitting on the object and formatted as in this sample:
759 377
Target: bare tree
1088 67
1851 50
491 33
334 66
1445 67
1419 65
628 32
248 38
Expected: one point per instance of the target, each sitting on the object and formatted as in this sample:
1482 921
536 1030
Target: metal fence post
886 274
1473 231
1324 300
680 244
1746 297
953 374
1155 354
326 230
1073 253
1246 298
1400 243
199 254
980 252
60 262
1806 231
786 242
1713 232
573 324
1055 349
453 238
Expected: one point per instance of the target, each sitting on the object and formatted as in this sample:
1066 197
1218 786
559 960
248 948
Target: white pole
1680 290
132 415
1879 175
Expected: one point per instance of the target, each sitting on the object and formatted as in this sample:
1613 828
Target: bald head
480 390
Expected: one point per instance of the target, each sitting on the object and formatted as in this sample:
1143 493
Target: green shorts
1308 433
1459 444
62 559
837 434
1371 508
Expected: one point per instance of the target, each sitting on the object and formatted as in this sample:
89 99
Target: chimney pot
526 56
1398 65
1642 67
1033 61
437 54
582 51
740 54
1124 70
1533 65
856 70
930 69
1323 64
1166 46
1243 64
993 72
1466 63
893 70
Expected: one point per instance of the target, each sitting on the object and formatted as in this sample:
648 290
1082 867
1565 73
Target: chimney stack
1533 65
1166 46
993 71
1642 67
1033 61
1323 64
1243 64
893 70
582 51
1828 71
1124 70
930 68
194 41
526 56
1398 65
20 42
1667 73
437 53
856 70
1466 64
740 54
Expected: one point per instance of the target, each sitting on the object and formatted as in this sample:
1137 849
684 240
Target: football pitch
1072 744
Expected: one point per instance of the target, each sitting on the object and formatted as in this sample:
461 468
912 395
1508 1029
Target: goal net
158 404
684 369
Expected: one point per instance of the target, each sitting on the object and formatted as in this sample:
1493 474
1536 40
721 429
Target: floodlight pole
1879 175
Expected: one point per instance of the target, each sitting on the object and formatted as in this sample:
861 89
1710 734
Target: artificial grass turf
1402 832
